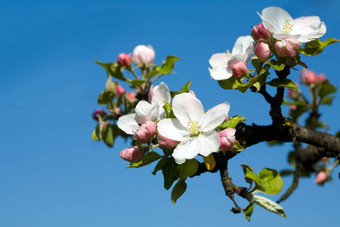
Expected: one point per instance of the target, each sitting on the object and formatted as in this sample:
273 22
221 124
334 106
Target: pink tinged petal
309 28
146 112
128 124
220 74
161 94
186 150
187 108
274 18
209 141
214 117
172 129
219 60
243 48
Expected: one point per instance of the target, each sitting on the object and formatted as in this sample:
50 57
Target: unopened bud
166 142
321 177
143 55
240 69
98 112
321 78
227 138
308 77
288 47
262 51
146 131
124 59
131 96
119 90
131 154
259 32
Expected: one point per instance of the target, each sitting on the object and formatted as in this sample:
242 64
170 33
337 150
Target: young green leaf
185 88
248 210
188 168
170 172
316 46
178 190
271 181
269 205
232 122
169 64
147 159
282 83
326 88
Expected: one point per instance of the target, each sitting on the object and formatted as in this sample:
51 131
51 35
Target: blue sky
52 174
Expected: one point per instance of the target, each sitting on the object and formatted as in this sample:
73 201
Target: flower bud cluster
310 78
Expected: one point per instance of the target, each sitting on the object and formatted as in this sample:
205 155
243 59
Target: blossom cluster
278 35
191 131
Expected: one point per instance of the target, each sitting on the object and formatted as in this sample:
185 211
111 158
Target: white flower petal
146 112
219 60
172 129
187 108
209 141
220 74
161 94
274 18
309 28
243 48
128 124
283 36
186 150
214 117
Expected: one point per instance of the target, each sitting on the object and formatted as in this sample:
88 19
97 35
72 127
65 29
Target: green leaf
159 165
326 88
95 135
232 122
269 205
238 147
137 82
270 181
274 142
316 46
170 172
105 97
228 83
147 159
327 100
185 88
168 110
250 176
108 136
292 158
248 210
155 70
113 69
169 64
255 62
282 83
295 114
188 168
178 190
276 65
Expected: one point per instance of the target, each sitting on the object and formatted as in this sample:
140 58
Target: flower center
193 128
287 27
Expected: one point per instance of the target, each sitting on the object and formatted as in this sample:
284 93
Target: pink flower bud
192 93
227 137
131 154
262 51
321 177
165 142
124 59
240 69
131 96
288 47
119 90
98 112
321 78
308 77
259 32
143 55
146 131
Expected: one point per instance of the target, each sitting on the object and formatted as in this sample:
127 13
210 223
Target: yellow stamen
193 128
287 27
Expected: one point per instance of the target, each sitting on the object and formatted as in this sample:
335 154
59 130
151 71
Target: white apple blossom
146 111
222 63
194 129
282 25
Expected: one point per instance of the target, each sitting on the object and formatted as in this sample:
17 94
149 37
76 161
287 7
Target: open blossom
146 111
194 129
282 25
143 55
225 65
